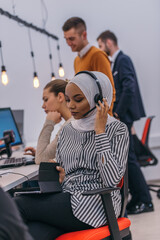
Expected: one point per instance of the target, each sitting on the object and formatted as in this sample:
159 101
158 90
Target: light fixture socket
52 75
3 68
35 74
60 65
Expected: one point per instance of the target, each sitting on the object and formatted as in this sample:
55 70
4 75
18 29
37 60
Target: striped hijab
89 88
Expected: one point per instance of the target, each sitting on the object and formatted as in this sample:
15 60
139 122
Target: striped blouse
93 161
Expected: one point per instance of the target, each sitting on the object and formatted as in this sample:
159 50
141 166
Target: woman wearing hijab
92 151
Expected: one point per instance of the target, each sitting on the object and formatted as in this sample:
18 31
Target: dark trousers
48 215
137 184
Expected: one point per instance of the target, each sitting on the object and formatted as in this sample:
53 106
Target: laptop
7 123
48 180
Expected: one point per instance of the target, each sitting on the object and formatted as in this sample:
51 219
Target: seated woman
92 151
54 105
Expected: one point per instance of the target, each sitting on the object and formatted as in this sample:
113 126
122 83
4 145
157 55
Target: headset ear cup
97 97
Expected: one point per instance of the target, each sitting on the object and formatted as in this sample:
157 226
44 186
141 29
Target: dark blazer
128 104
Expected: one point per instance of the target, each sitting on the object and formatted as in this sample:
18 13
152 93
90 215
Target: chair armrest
101 191
105 194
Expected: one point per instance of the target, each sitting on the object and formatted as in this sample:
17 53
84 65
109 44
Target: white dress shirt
113 58
84 50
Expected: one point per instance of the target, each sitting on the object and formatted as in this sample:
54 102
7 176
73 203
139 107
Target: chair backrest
143 153
146 130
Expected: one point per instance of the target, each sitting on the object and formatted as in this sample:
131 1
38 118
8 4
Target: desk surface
12 177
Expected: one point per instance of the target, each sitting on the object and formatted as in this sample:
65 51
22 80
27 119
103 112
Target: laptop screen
7 122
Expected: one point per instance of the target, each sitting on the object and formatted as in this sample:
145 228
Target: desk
11 180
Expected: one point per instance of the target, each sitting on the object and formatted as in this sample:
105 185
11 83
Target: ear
61 97
84 34
109 42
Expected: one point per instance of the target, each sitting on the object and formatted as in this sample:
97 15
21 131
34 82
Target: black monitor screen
7 122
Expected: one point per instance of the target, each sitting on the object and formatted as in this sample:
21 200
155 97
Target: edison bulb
4 78
36 82
61 72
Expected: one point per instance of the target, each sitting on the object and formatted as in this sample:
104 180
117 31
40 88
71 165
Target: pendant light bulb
35 80
4 76
52 77
61 70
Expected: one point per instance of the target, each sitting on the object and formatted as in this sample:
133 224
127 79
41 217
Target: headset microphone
98 96
89 111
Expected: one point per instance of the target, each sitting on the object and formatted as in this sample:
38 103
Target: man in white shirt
89 57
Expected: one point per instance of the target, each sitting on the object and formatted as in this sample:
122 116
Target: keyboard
15 162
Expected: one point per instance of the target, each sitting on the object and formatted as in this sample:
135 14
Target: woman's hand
54 116
30 151
60 170
101 117
61 173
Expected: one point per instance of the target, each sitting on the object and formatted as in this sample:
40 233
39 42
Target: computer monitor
19 118
7 122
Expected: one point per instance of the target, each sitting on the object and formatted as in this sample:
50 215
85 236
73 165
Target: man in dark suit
128 108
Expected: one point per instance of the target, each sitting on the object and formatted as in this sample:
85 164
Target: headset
98 96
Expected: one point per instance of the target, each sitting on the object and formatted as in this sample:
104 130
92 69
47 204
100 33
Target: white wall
136 24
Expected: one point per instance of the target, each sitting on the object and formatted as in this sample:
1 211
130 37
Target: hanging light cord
50 55
1 53
32 53
44 19
58 48
14 7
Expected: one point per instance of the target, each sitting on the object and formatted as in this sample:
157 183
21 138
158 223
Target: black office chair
117 229
144 154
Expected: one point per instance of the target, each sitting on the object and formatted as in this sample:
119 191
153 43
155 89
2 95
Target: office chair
117 229
144 155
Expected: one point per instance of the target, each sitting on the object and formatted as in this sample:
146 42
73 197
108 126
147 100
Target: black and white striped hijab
89 88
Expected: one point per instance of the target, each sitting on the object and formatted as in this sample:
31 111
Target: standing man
89 57
128 107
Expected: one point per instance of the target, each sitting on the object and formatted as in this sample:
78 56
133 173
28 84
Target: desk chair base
152 188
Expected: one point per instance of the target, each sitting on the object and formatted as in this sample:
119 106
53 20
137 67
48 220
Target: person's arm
11 224
126 78
112 151
112 155
45 149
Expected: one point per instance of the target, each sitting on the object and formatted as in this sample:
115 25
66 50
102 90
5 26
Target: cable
28 180
58 49
35 75
15 173
50 59
44 20
1 53
32 53
13 7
